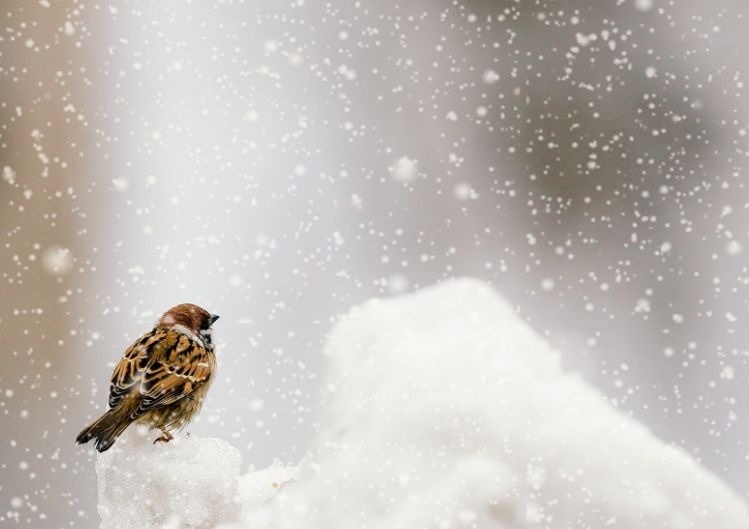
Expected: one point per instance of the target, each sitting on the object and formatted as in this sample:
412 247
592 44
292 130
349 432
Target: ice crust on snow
441 409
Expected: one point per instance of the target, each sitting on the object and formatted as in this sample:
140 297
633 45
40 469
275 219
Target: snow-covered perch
189 483
443 409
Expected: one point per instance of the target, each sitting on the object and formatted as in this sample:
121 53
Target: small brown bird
161 379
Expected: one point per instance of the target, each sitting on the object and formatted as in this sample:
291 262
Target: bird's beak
213 319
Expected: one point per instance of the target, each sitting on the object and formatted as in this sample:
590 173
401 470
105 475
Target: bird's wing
162 367
131 367
179 365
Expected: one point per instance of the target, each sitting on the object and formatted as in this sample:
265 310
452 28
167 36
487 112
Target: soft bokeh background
279 162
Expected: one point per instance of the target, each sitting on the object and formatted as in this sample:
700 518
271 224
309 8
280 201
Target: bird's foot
165 437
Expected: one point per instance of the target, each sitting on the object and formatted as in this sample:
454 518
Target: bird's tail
106 429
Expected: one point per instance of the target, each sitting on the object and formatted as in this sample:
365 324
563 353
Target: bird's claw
164 438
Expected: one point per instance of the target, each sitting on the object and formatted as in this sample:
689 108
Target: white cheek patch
207 336
187 332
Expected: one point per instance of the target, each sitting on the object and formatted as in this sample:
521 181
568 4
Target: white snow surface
188 483
442 409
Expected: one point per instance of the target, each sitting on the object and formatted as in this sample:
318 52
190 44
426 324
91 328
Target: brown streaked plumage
161 379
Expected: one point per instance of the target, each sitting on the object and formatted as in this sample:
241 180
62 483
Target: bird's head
193 319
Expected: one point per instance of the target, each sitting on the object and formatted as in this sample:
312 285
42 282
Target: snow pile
445 410
256 489
189 483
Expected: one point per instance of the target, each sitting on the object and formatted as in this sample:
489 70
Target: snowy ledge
442 409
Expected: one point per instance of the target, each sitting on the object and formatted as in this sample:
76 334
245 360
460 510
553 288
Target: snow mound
257 489
187 483
443 409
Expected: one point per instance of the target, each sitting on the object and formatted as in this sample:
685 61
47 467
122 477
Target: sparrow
161 379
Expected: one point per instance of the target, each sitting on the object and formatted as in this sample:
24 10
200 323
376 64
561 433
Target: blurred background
278 162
